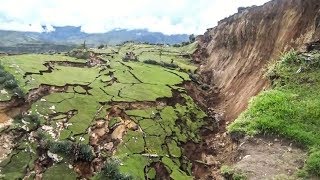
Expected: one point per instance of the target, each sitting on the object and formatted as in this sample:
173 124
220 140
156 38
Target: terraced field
101 117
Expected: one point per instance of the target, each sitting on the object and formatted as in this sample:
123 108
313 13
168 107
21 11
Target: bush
111 171
10 84
149 61
33 118
2 80
33 121
2 73
9 77
170 65
77 152
84 152
18 91
101 46
61 147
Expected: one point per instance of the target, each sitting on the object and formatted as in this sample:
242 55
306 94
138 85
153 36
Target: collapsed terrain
140 110
124 105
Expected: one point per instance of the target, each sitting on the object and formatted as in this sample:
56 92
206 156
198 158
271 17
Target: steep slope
234 53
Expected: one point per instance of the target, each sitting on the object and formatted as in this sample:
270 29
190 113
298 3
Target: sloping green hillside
291 107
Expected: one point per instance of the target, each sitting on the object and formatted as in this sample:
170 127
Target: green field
155 122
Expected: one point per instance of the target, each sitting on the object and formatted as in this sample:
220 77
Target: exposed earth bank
233 57
234 54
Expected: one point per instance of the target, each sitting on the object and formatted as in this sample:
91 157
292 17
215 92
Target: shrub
2 73
101 46
9 77
61 147
33 121
176 45
18 91
111 171
2 80
149 61
33 118
10 84
170 65
74 151
192 38
85 152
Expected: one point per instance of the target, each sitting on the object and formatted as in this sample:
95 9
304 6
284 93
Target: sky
97 16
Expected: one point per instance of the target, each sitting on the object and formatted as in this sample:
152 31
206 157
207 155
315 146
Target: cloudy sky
167 16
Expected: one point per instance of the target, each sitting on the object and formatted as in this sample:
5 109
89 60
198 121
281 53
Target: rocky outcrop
235 53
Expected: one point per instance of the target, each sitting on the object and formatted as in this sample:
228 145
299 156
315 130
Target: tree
84 45
101 46
192 38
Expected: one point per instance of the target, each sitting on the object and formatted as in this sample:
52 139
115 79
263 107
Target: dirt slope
234 53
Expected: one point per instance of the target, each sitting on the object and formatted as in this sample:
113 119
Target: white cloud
167 16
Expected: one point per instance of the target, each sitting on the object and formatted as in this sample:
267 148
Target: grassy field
66 119
290 108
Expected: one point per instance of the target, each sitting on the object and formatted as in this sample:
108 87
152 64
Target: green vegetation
59 171
70 150
230 173
291 107
8 85
77 96
111 171
79 54
16 164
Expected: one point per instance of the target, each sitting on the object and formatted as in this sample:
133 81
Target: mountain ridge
74 35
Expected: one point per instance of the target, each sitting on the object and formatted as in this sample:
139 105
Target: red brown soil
3 118
235 53
233 57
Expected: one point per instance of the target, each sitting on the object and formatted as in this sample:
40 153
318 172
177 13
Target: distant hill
71 35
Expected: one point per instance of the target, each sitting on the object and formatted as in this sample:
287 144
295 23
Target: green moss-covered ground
291 107
162 128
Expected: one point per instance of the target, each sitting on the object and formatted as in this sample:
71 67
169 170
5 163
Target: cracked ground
135 113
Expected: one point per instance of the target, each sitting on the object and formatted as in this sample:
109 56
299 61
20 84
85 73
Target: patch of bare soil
6 142
3 118
261 158
215 150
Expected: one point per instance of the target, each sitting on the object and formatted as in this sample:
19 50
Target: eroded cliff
235 53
